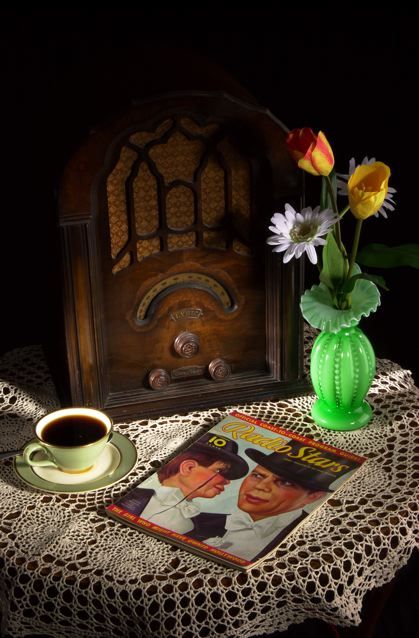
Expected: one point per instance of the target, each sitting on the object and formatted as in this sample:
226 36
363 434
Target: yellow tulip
367 189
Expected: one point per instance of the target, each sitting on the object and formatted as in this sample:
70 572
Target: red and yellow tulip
311 152
367 189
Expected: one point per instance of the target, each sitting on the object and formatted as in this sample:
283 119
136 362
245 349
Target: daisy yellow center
303 232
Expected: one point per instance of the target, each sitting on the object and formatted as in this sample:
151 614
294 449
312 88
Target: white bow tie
170 498
239 521
174 500
188 509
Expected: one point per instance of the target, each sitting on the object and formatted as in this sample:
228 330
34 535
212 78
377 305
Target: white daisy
342 185
296 233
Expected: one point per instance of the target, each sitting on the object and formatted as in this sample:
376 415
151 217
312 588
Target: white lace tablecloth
67 570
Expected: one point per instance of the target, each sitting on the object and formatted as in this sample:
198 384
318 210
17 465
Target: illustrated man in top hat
201 471
270 504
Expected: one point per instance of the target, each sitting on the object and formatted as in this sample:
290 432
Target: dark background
352 73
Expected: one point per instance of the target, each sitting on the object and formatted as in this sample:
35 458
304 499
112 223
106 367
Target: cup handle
35 447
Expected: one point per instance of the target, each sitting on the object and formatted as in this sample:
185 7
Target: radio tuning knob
159 379
219 369
186 344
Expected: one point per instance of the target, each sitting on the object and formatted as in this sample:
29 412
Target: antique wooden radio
172 300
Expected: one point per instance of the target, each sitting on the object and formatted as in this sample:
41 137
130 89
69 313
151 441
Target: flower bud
311 152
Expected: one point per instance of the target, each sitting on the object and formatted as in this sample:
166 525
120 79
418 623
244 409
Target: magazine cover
236 492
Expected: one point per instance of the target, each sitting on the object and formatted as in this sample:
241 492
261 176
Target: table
67 570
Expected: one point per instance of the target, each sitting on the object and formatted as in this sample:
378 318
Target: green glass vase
342 368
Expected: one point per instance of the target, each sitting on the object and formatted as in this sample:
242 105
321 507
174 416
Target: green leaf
350 283
335 266
377 280
382 256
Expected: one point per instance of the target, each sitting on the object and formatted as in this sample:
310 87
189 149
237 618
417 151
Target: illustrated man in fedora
201 471
270 504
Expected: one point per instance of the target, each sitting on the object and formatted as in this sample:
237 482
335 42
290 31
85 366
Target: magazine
238 491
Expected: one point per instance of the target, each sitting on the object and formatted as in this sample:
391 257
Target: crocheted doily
67 570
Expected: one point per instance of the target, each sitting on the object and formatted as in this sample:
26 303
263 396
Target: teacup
71 439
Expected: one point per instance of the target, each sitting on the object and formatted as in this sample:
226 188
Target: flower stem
342 212
336 227
355 246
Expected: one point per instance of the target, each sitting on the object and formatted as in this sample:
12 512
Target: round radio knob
186 344
219 369
159 379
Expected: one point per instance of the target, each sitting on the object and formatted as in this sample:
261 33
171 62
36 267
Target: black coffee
73 430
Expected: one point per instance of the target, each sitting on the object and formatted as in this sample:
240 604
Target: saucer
116 461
